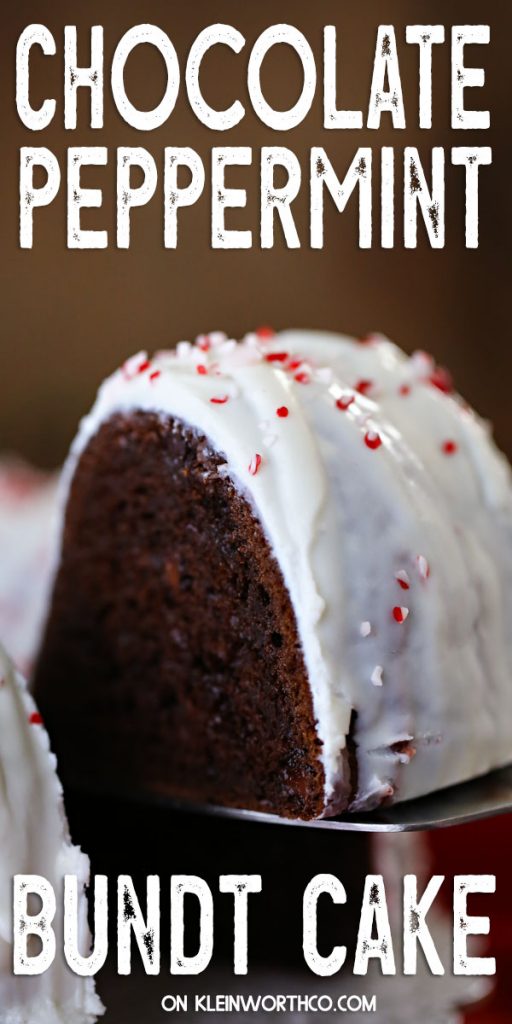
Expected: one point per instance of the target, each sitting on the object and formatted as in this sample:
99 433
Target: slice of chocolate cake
284 582
171 616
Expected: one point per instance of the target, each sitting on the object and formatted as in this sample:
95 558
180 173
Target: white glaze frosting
383 498
34 839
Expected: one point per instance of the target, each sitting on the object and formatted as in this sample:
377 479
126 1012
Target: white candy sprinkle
365 628
376 676
183 349
217 337
422 363
226 348
423 566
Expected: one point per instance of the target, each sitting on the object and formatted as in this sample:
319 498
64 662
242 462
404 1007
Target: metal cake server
484 797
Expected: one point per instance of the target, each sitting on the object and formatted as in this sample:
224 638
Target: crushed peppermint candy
276 357
251 340
423 567
265 333
226 347
219 400
201 369
372 439
254 464
183 349
155 375
282 411
35 718
136 364
404 390
203 342
365 628
344 401
302 378
422 363
217 337
364 386
402 579
376 676
441 378
449 447
406 754
400 613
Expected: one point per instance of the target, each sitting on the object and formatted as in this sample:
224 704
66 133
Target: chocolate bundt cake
284 581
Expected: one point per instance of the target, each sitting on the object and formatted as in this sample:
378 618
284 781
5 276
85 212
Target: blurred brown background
69 317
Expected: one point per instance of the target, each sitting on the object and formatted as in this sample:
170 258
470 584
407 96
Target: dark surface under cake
171 662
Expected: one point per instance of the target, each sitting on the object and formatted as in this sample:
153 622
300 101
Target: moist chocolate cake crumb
171 663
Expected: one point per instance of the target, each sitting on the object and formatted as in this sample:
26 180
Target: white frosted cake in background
28 506
34 839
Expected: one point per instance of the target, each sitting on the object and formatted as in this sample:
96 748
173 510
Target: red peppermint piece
203 342
404 390
221 400
201 368
129 370
264 333
35 718
442 379
302 377
400 614
282 411
155 375
344 402
254 464
364 386
276 357
372 439
402 579
449 447
293 364
143 366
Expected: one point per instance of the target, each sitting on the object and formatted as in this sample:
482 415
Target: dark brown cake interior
171 662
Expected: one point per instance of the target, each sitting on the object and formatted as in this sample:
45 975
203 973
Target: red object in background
484 848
